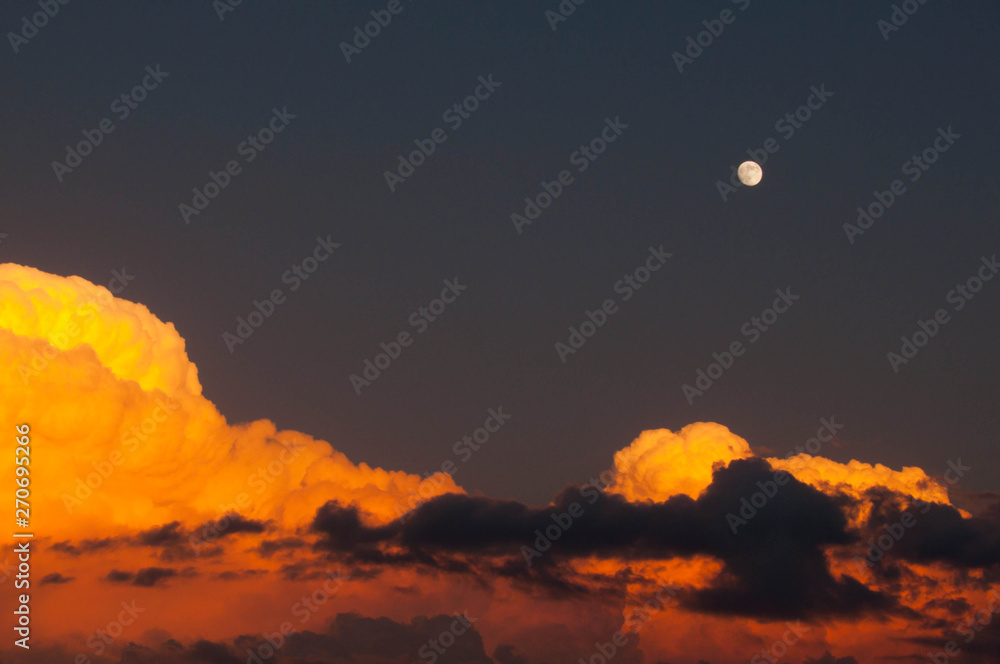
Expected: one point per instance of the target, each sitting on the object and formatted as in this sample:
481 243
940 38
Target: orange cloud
661 463
123 437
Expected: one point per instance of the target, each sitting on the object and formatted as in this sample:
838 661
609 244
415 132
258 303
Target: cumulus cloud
119 421
661 463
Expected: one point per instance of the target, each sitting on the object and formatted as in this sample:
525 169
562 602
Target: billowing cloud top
126 438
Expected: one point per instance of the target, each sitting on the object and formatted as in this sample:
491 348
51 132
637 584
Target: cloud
269 548
150 576
146 577
507 654
55 577
118 576
118 417
350 638
940 533
775 568
660 464
138 462
167 535
84 546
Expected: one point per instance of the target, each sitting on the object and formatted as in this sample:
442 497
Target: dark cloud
55 577
955 607
985 642
173 652
933 533
353 636
212 653
232 575
146 577
268 548
231 524
118 576
173 540
177 543
166 535
297 571
85 546
977 638
349 639
507 654
149 576
774 564
981 503
344 531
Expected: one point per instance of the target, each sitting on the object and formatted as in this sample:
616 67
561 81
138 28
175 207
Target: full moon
750 173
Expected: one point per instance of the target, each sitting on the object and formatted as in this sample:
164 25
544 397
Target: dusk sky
416 293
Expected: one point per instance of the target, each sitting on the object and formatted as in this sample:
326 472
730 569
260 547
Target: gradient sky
655 186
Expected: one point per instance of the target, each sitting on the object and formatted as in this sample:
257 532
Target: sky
447 277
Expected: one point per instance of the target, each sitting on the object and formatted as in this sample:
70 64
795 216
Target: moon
750 173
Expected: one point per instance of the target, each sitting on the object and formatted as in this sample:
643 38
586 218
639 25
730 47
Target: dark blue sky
656 185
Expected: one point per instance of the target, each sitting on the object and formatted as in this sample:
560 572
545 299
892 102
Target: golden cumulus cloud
123 437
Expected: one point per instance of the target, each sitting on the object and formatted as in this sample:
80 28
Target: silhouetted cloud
774 566
55 577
